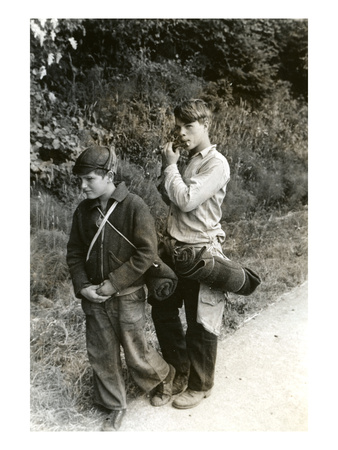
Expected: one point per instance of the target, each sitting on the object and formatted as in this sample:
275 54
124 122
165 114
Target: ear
110 176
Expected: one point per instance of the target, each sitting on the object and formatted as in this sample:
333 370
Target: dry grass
61 384
277 248
61 377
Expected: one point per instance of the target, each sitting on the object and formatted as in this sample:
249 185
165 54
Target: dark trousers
192 352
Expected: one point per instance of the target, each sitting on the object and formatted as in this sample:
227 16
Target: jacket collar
119 195
120 192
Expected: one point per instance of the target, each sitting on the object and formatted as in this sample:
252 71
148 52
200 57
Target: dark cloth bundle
215 271
161 280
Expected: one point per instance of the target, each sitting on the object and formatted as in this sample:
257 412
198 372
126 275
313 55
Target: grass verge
61 385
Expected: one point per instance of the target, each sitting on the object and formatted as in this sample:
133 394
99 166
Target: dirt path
260 383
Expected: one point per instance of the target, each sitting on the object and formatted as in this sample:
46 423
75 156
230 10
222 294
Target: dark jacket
112 256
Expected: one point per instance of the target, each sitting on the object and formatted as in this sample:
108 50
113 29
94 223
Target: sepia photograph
171 265
168 224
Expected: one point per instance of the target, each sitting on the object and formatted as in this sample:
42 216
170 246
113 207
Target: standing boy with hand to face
112 244
194 217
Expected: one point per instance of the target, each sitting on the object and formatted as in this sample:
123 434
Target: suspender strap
104 220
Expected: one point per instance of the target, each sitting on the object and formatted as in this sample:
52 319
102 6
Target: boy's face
194 133
94 186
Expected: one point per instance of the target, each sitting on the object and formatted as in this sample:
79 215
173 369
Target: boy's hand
90 293
106 288
169 156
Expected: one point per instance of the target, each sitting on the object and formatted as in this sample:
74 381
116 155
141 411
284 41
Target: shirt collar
205 151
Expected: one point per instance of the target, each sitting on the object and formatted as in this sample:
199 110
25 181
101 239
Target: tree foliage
115 81
250 54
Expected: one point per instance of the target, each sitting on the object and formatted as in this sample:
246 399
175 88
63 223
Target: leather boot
163 392
180 383
113 421
190 399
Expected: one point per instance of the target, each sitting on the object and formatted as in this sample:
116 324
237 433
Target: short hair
192 110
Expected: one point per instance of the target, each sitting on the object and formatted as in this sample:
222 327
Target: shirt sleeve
210 179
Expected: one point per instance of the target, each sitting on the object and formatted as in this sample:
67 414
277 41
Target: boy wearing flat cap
112 244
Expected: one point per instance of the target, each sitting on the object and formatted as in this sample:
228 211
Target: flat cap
95 157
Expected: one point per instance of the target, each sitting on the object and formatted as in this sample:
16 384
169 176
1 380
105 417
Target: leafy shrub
130 105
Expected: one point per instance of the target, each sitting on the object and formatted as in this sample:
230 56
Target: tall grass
267 153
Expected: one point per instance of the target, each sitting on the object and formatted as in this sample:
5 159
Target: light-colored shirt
196 197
